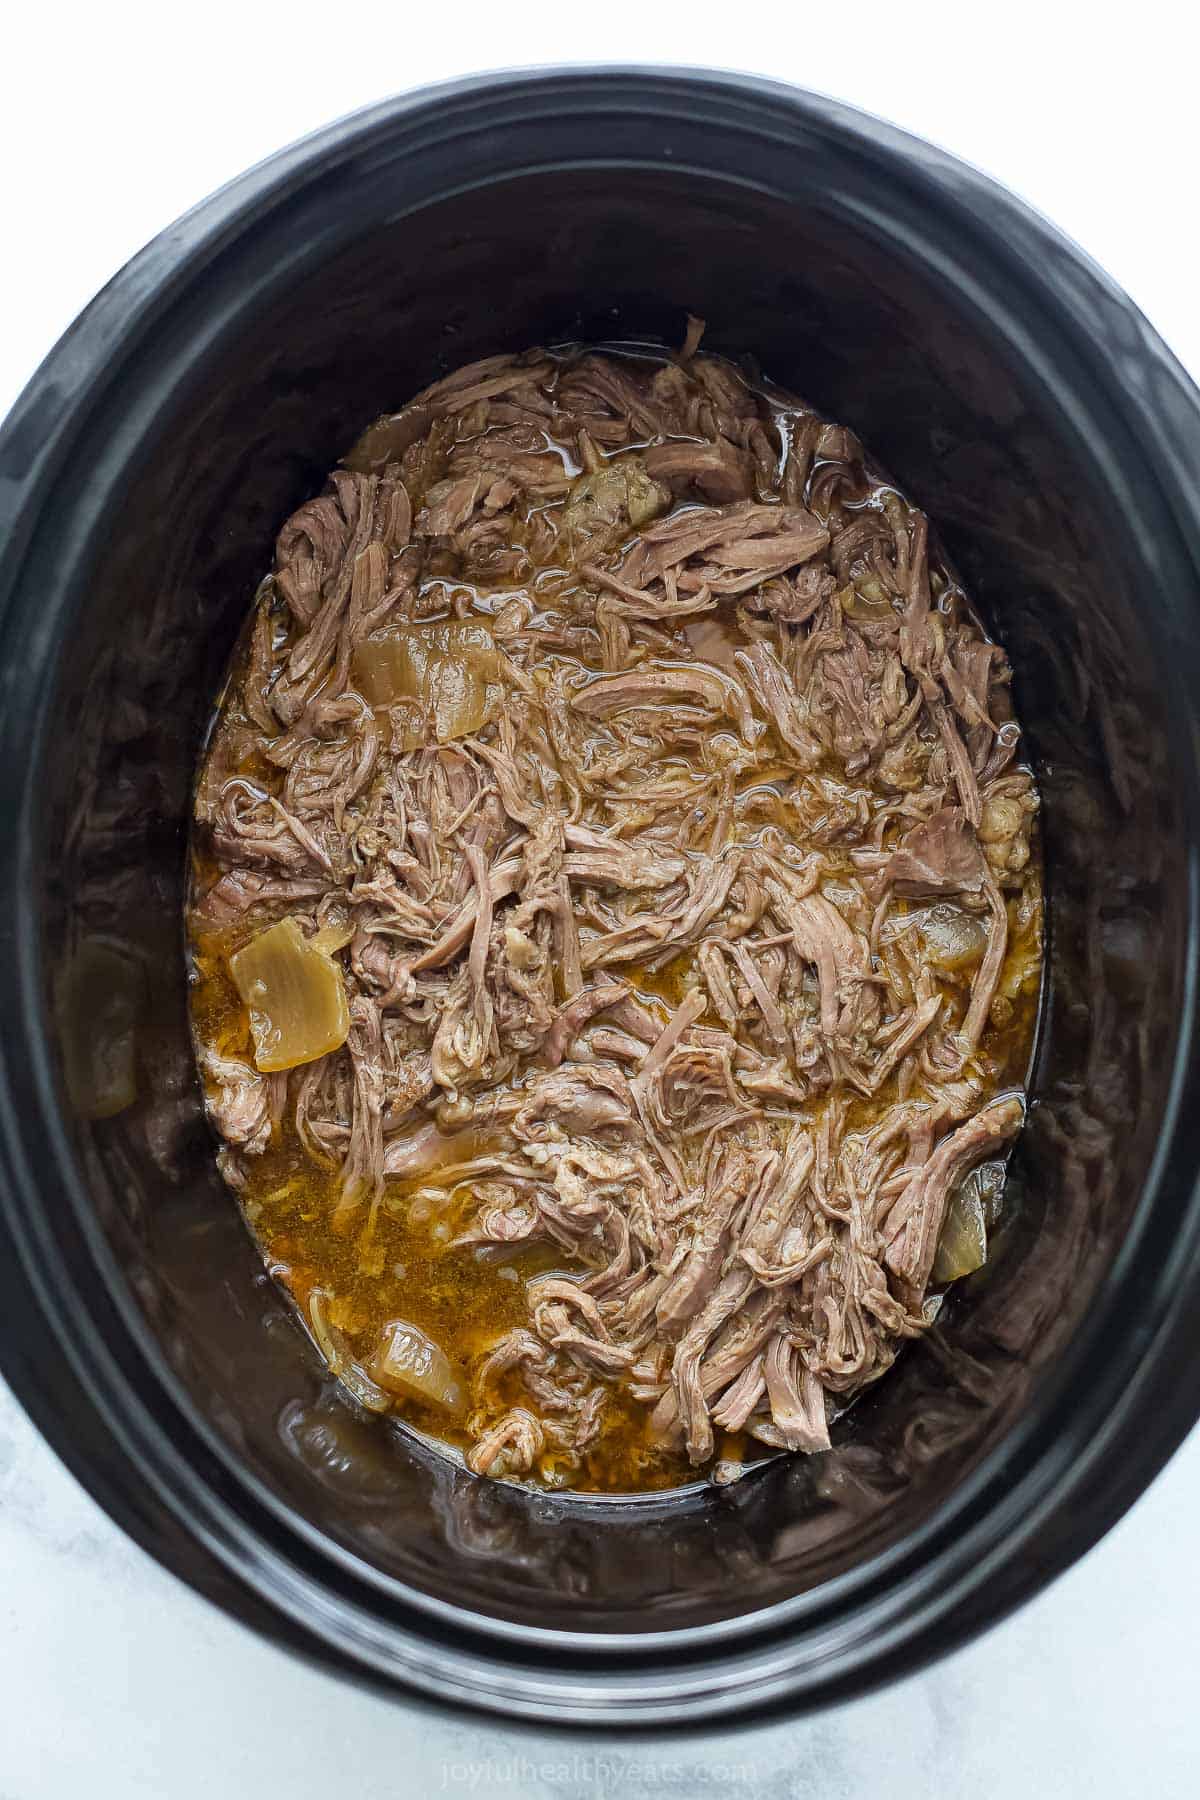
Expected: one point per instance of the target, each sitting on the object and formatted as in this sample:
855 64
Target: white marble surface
117 1682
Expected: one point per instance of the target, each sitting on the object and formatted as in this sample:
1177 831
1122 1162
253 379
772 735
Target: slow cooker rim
242 197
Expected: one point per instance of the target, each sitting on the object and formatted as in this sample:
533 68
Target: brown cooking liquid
466 1297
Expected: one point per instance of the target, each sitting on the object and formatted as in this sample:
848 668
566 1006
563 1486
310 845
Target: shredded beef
632 924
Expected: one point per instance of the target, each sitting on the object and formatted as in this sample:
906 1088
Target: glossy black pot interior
1025 404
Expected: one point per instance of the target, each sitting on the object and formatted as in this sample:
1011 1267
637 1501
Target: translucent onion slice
954 940
962 1247
333 1349
99 999
867 600
296 997
410 1364
331 937
445 669
610 502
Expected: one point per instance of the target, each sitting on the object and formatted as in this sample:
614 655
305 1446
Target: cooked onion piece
604 505
445 670
953 940
962 1247
295 995
333 1348
974 1206
410 1365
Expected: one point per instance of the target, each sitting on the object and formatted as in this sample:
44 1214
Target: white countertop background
116 1682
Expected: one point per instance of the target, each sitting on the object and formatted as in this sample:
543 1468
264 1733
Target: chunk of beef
239 1100
509 1447
578 1013
940 856
719 471
608 694
796 1398
776 694
578 1101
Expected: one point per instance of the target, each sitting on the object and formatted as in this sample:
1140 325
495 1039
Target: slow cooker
1026 405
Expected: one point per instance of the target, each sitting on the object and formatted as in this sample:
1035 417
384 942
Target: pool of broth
464 1297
